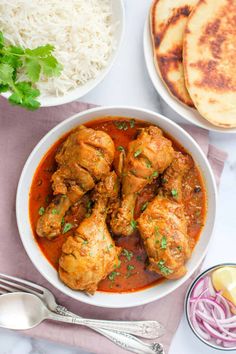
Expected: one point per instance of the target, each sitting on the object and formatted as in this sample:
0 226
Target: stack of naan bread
194 46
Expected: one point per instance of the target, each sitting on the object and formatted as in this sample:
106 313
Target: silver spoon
21 311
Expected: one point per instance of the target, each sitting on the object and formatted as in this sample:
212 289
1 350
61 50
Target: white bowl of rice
86 34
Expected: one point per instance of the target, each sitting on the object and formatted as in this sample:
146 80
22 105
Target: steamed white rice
80 30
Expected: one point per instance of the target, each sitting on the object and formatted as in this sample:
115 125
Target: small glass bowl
186 306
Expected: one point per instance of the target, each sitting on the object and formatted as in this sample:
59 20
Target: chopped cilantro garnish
120 148
85 242
109 247
55 211
163 242
144 206
130 267
41 211
148 164
139 258
137 152
156 230
179 248
174 193
153 175
32 63
133 224
63 221
132 123
164 270
67 227
113 275
128 254
117 265
121 125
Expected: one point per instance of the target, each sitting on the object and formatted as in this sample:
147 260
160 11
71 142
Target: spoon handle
124 340
144 329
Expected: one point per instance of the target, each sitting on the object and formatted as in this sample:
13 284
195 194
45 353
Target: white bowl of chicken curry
118 203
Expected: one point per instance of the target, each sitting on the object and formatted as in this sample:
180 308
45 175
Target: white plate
190 114
103 299
118 18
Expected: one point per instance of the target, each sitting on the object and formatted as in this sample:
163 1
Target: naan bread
168 20
210 60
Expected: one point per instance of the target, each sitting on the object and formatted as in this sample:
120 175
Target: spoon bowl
21 311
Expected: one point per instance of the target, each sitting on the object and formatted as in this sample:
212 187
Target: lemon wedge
224 279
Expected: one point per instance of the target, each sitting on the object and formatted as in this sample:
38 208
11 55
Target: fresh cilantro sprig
32 63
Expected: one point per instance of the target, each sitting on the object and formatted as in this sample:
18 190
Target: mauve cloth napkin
20 131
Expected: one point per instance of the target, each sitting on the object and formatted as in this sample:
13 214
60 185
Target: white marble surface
128 84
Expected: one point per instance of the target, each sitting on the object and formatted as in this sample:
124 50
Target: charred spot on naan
172 65
177 15
211 77
168 59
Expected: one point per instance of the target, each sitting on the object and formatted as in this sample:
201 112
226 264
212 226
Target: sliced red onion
211 288
228 345
221 298
202 333
221 327
215 305
229 320
216 334
206 318
198 288
211 314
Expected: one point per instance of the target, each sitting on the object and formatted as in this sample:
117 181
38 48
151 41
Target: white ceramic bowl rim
102 299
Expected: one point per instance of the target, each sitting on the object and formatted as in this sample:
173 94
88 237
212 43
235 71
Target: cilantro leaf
144 206
163 242
15 50
41 211
42 51
163 269
1 40
24 94
133 224
4 88
137 152
16 98
27 89
6 74
67 227
12 60
132 123
174 193
50 66
30 103
128 254
112 276
33 69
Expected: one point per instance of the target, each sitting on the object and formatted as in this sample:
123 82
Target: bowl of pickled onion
210 307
